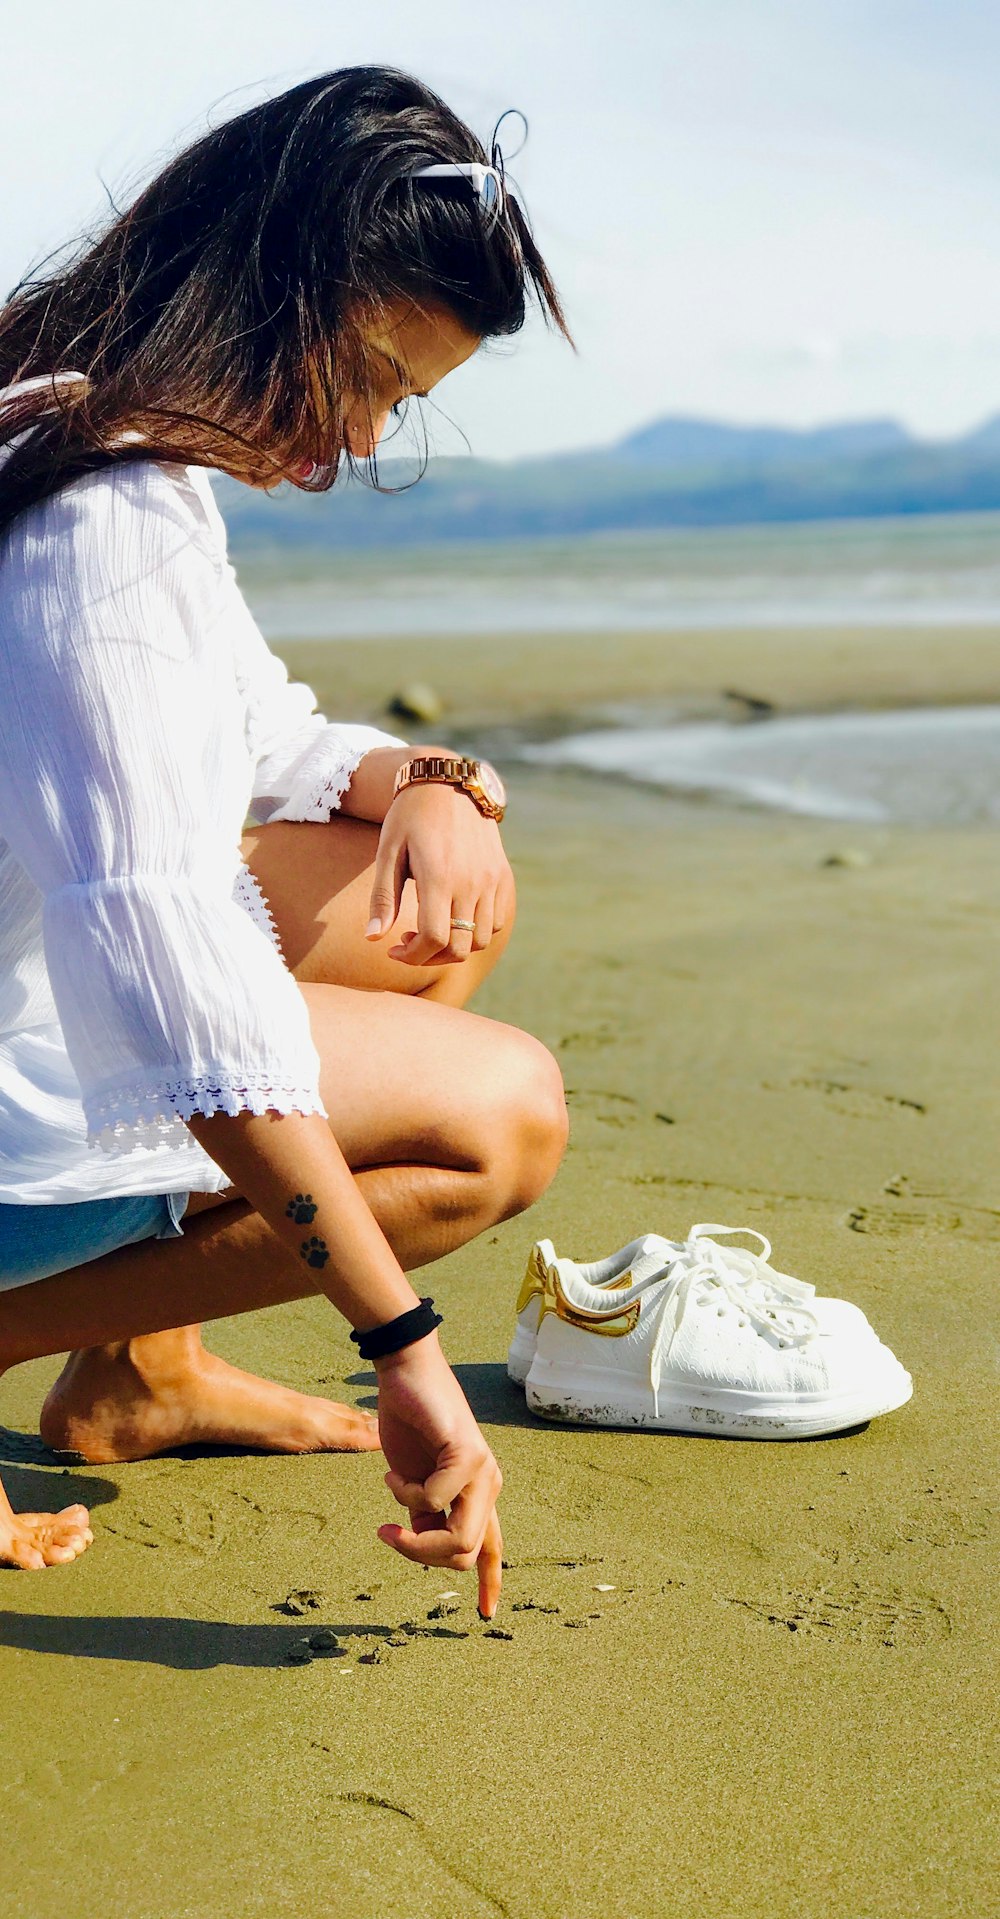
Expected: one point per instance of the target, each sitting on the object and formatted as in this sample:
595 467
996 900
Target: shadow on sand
31 1490
187 1645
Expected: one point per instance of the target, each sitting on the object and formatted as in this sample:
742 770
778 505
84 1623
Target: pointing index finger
490 1567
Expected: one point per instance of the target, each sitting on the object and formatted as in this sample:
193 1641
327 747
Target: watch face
492 784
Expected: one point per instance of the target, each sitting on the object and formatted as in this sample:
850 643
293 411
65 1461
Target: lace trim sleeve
153 1114
323 777
247 893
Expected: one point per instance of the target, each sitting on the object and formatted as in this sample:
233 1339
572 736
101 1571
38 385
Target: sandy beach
742 1680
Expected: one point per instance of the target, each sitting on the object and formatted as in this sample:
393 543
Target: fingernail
373 929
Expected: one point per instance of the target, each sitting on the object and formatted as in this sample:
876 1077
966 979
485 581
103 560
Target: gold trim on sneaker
542 1282
536 1280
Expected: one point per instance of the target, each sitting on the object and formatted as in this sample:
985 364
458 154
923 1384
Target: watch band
429 768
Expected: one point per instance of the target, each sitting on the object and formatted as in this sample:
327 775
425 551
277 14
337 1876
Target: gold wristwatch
478 778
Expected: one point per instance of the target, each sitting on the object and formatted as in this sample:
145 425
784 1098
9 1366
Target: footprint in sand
857 1614
72 1778
932 1524
194 1525
895 1222
608 1109
204 1527
854 1101
589 1041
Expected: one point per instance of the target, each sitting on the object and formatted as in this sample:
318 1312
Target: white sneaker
705 1342
620 1270
635 1262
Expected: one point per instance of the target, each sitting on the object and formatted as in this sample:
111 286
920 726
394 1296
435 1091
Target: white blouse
143 719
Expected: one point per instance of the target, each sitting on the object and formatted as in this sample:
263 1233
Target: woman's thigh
413 1082
317 882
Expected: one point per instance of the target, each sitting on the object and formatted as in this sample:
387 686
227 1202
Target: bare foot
150 1395
33 1540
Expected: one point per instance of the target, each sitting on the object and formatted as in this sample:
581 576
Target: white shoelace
773 1303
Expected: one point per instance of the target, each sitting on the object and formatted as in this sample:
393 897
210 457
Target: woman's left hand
437 837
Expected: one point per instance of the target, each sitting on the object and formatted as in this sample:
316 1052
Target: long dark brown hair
219 320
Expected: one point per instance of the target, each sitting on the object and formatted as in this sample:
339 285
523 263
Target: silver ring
464 926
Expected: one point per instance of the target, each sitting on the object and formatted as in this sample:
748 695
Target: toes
61 1547
362 1434
25 1557
347 1429
351 1438
47 1539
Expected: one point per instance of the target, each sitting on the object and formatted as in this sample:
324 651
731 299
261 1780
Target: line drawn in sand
436 1849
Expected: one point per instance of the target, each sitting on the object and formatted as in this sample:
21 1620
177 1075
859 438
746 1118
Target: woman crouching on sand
234 1064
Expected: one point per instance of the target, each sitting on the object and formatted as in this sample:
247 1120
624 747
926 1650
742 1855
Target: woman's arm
269 1158
369 795
440 1466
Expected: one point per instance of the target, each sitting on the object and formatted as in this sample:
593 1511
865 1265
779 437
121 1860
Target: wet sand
783 1705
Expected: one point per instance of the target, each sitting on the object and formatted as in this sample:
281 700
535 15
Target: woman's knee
530 1127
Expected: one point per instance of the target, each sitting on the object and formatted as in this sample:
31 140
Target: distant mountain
985 438
679 442
676 472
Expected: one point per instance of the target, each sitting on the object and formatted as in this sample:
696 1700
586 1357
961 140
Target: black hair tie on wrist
402 1331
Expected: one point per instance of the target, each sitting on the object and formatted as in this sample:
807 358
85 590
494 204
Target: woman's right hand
440 1468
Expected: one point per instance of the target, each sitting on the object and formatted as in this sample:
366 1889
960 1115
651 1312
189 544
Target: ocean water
935 571
932 767
923 767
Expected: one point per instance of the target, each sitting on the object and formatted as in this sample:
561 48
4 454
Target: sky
755 210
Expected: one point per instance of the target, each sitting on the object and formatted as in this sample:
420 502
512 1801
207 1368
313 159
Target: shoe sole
521 1355
714 1412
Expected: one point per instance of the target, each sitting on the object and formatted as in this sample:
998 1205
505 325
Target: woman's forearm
290 1168
369 795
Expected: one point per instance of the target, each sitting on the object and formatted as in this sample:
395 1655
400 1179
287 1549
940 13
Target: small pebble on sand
364 1595
299 1656
497 1632
415 701
851 857
376 1657
605 1589
324 1641
444 1610
440 1596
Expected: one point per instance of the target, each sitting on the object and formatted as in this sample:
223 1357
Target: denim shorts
38 1241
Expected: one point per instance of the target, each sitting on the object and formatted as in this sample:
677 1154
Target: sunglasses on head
486 182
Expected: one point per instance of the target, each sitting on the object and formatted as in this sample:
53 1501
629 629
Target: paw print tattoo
302 1209
314 1251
